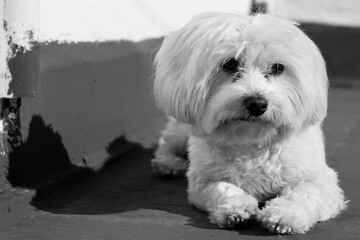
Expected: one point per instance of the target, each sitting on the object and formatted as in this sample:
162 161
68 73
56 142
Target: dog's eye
276 69
230 65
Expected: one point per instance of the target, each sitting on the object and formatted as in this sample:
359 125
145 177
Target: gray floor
125 201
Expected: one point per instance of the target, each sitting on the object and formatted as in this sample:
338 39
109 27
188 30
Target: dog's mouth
249 119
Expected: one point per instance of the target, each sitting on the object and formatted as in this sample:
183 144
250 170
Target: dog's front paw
233 215
169 166
235 219
238 218
277 228
285 218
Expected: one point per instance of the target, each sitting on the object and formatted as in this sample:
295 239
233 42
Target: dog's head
242 77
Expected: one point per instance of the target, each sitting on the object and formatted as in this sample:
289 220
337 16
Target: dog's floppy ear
180 80
314 82
174 89
307 64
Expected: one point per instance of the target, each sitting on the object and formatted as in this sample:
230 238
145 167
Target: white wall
102 20
334 12
135 20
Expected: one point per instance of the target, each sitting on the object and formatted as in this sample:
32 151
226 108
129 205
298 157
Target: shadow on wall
43 163
92 93
39 158
87 94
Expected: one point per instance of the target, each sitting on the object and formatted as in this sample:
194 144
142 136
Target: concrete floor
125 201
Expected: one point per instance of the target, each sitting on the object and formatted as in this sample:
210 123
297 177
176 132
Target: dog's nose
256 105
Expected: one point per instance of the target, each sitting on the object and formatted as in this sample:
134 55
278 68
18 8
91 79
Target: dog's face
241 78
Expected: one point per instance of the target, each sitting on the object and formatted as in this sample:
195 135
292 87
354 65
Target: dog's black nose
256 105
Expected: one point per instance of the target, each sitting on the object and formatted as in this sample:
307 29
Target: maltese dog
246 97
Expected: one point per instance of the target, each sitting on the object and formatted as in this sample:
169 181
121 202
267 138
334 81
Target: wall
85 79
86 83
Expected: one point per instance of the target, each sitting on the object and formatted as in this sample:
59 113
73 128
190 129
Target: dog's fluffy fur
239 161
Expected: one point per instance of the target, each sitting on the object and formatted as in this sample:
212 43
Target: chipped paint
18 35
5 76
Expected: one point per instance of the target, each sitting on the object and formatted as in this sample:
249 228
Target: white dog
248 94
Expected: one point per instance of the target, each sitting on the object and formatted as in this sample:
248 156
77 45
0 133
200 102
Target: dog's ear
307 64
314 82
182 68
177 88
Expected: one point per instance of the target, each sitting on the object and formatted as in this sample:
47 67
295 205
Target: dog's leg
227 204
299 208
171 156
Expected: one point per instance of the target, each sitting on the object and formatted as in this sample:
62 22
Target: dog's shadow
124 184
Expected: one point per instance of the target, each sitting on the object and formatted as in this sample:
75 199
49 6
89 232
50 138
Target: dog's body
248 94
